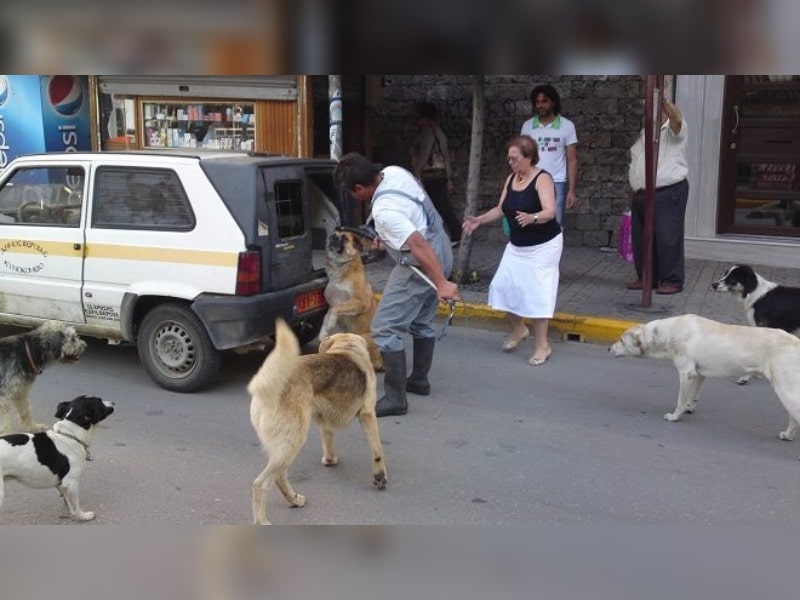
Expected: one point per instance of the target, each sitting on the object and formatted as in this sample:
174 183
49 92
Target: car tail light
248 273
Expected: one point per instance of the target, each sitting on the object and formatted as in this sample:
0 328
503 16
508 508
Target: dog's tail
275 372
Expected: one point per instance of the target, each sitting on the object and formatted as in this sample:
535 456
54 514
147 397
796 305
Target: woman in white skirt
526 283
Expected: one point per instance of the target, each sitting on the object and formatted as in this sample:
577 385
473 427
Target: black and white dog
766 303
56 457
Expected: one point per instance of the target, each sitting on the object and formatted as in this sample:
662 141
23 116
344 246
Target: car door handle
76 246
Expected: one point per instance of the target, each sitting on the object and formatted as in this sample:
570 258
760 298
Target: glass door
760 156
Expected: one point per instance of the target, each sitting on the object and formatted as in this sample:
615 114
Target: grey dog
22 358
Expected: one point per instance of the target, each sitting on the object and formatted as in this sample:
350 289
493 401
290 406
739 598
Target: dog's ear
749 279
357 244
325 344
61 409
636 336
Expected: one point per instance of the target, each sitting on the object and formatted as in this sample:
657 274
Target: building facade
744 202
743 138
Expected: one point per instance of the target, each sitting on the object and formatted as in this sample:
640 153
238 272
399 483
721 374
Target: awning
264 87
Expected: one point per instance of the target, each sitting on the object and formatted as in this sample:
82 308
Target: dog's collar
36 368
60 431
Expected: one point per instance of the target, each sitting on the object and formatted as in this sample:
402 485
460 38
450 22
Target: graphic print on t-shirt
548 143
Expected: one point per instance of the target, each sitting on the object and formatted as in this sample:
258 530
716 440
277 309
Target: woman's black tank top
527 200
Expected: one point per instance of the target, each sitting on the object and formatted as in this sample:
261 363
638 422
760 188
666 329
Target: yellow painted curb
596 330
590 329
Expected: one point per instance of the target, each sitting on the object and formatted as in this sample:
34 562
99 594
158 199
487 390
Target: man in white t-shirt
558 145
413 234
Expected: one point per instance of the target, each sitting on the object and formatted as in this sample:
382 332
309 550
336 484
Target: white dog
55 458
702 348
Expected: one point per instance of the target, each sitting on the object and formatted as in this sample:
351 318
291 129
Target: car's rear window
141 198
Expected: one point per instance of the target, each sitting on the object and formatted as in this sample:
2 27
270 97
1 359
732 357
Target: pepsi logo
3 90
65 94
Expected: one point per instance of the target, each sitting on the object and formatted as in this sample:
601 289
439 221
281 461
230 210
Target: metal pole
652 135
335 115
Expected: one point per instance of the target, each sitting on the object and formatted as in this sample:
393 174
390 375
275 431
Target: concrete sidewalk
593 303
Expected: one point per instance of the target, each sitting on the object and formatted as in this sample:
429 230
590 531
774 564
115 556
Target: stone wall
607 112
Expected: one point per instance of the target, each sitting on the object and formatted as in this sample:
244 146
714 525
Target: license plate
309 301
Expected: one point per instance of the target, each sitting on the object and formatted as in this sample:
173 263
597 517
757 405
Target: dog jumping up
55 458
348 293
26 355
701 348
289 391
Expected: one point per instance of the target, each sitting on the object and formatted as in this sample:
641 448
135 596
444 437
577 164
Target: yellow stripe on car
119 251
195 257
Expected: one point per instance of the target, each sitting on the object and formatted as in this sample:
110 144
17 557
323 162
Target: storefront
260 113
744 203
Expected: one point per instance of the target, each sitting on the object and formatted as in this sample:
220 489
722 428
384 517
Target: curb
576 328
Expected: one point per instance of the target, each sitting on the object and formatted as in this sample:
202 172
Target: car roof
260 158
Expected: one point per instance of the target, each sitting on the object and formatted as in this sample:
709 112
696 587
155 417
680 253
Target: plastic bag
625 246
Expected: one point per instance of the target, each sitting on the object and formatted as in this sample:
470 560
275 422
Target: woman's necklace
521 177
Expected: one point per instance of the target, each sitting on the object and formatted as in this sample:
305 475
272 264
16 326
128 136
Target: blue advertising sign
21 127
65 113
47 113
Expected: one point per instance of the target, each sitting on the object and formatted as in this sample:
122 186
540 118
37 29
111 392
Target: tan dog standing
289 390
348 293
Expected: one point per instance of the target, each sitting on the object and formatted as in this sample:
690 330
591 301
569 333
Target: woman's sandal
537 361
512 342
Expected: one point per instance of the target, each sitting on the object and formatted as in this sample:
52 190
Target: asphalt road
580 440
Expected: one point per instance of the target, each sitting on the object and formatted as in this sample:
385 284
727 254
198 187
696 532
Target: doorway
759 192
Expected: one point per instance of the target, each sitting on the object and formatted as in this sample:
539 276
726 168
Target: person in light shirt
557 142
412 232
671 195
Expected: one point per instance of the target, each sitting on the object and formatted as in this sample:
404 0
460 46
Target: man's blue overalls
408 305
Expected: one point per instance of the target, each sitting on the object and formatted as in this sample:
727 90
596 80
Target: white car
185 255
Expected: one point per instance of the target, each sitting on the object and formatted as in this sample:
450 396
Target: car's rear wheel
176 350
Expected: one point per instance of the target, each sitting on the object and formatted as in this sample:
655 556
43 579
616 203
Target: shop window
214 125
289 208
43 196
760 170
141 199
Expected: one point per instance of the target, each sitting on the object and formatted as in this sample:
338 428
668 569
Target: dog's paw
785 436
691 408
379 480
672 417
84 515
299 501
743 380
330 461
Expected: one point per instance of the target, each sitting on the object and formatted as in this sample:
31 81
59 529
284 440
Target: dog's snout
335 242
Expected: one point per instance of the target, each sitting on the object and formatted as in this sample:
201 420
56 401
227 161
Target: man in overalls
411 231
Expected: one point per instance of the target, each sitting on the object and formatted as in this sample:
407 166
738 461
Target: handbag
625 244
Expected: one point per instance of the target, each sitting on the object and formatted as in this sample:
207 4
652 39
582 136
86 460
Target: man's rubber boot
394 403
417 382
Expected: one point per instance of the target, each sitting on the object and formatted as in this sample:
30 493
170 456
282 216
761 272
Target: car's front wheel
176 350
